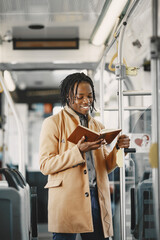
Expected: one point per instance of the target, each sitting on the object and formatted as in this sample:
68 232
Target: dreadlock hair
67 87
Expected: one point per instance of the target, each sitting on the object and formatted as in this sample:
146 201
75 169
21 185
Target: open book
91 136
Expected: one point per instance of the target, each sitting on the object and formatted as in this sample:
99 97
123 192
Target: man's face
83 100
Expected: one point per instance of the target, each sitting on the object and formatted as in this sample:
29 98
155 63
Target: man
79 194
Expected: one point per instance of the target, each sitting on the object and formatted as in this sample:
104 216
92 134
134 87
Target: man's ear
68 99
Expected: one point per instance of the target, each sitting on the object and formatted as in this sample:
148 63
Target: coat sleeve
111 159
50 160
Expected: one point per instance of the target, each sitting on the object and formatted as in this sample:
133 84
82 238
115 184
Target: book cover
91 136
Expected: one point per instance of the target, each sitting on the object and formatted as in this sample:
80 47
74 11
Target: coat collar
73 113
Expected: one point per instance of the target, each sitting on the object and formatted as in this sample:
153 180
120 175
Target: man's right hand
88 146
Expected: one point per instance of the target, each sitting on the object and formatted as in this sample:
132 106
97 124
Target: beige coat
69 208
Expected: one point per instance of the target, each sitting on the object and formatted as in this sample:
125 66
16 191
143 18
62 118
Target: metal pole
120 74
155 76
133 108
120 33
21 165
102 91
137 93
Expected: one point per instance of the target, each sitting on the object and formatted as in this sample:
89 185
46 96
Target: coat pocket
54 183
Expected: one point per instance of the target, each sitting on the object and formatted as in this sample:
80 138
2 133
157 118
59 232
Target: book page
110 135
108 130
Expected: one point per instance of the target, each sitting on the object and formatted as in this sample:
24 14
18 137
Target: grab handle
10 178
20 177
129 150
17 177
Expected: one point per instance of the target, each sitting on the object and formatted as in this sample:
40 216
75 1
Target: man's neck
80 114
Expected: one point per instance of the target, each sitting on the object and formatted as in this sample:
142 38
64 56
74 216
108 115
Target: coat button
85 171
86 194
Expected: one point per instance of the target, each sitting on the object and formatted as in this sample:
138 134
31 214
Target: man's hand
123 141
87 146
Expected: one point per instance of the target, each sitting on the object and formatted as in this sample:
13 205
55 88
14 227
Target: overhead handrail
129 70
131 8
21 165
112 69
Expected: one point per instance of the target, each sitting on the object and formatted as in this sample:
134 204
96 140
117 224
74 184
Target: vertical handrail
21 165
102 90
120 33
155 76
121 125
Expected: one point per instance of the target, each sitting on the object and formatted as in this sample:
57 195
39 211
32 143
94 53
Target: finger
100 141
96 146
103 142
124 140
123 145
82 140
123 137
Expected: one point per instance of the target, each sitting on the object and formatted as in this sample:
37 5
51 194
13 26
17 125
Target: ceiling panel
40 79
16 16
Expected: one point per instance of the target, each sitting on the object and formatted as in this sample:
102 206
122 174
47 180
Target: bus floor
43 233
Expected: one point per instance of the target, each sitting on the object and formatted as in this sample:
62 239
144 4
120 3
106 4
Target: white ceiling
61 19
81 15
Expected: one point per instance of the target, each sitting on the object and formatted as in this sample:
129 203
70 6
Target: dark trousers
98 231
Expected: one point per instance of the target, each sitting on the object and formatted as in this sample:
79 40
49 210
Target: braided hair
67 87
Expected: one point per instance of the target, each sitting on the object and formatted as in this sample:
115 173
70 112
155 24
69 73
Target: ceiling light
111 11
9 81
8 36
22 85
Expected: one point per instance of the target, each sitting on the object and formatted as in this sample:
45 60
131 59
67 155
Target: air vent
36 26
